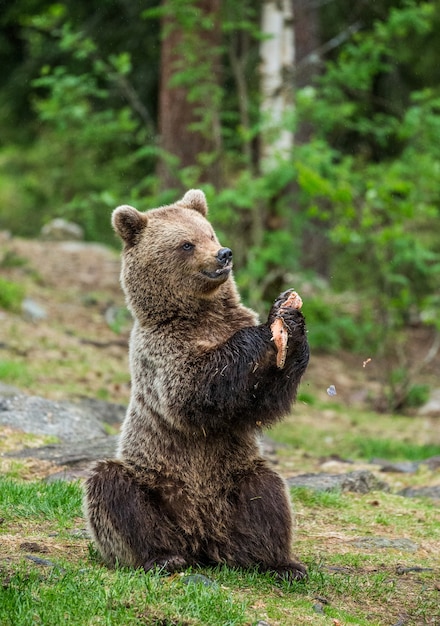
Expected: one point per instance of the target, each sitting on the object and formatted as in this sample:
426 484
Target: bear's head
171 255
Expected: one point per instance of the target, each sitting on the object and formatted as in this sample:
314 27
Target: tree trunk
189 126
277 52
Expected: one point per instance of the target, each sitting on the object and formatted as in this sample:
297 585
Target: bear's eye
187 246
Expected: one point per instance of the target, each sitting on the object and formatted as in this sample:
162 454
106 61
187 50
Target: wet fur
189 485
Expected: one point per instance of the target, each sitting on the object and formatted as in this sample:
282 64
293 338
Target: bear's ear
195 199
128 222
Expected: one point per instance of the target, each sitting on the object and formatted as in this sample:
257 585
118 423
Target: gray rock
360 481
403 467
107 412
73 454
318 608
67 421
433 463
61 230
402 544
421 492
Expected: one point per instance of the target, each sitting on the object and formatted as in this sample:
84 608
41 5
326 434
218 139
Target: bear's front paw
279 302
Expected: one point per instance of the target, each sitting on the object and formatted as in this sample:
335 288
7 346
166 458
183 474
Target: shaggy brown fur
189 485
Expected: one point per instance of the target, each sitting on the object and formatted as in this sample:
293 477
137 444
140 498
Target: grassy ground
373 559
347 585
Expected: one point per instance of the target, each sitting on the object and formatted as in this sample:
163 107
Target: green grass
353 434
311 498
392 449
15 372
355 586
55 501
78 596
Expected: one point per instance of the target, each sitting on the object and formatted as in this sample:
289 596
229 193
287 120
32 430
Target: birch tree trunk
277 52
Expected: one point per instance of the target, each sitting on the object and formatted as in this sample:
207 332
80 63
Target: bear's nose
224 256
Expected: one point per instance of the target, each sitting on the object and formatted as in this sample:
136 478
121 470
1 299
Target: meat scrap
280 334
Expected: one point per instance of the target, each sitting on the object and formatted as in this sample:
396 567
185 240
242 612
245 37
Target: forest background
328 180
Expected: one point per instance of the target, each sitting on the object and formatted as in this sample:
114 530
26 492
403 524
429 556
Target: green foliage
374 210
366 183
401 393
371 176
11 295
336 324
417 395
83 141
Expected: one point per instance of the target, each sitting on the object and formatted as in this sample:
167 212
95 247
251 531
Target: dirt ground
75 345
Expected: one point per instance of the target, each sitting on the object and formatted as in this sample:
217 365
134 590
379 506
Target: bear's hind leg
127 522
261 533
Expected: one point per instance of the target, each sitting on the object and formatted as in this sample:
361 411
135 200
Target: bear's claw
170 563
290 572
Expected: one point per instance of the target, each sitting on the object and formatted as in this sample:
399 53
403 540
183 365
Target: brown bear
189 485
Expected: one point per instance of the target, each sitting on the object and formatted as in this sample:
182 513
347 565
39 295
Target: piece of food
280 337
280 333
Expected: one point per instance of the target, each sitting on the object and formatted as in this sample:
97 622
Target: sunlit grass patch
392 449
58 501
78 596
11 295
309 497
353 435
15 372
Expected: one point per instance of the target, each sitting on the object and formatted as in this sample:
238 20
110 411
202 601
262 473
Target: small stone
421 492
80 533
415 568
61 230
38 561
33 311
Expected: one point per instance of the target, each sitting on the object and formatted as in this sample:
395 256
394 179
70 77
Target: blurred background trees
112 102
